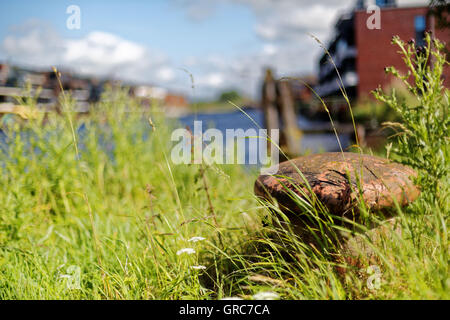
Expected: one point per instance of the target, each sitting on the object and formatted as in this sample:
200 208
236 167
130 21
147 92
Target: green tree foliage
231 95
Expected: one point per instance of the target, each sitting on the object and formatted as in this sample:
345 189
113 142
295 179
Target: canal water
238 120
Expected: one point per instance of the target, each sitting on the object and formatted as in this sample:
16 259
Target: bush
229 96
422 139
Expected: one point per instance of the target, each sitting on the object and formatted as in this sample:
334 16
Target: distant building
162 95
4 72
173 104
343 51
301 91
84 90
175 101
361 54
150 92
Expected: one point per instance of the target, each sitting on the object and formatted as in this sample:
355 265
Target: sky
223 44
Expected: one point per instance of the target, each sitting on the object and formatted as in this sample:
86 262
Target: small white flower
195 239
198 267
266 295
185 250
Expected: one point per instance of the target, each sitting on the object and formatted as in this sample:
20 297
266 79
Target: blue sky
158 23
224 43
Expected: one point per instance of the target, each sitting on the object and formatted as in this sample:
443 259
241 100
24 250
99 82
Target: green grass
105 205
217 106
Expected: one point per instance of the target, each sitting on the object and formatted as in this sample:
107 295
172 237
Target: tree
231 95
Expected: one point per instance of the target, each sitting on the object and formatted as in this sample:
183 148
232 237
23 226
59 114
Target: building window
419 27
385 3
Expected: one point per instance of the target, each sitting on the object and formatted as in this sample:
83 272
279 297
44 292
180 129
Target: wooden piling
278 106
269 103
290 131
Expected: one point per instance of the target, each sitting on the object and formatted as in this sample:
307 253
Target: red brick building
175 100
361 54
375 51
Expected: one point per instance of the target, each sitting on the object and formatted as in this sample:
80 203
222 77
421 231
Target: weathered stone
338 180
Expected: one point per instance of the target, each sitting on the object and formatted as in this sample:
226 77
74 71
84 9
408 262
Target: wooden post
291 132
269 99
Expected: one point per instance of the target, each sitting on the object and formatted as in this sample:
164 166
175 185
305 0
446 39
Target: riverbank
136 226
104 213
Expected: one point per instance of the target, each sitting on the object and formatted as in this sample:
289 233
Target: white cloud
267 32
34 43
269 49
278 19
98 53
198 9
212 80
289 21
166 74
245 71
102 48
282 25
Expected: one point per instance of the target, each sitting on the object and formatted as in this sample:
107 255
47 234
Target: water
237 120
233 120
